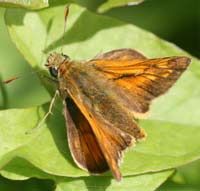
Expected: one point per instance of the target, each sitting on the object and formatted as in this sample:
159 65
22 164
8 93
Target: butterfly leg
47 114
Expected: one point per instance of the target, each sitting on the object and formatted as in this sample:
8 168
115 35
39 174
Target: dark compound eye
53 72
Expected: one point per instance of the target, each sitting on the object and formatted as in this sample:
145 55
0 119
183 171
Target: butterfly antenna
12 79
66 13
39 72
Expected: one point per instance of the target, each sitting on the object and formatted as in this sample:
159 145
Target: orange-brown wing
138 81
82 142
112 125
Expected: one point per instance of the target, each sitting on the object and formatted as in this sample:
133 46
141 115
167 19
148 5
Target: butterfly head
54 62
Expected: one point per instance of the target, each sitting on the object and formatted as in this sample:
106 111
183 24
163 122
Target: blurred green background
177 21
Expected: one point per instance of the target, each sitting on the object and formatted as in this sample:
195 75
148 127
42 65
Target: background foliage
173 130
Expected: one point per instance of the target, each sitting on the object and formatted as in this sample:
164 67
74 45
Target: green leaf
109 4
29 4
186 179
19 169
147 182
31 185
173 132
169 186
99 6
155 154
11 94
190 173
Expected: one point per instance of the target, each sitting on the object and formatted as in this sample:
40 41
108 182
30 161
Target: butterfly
104 97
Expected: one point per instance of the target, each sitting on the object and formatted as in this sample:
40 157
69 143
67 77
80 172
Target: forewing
83 144
139 81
